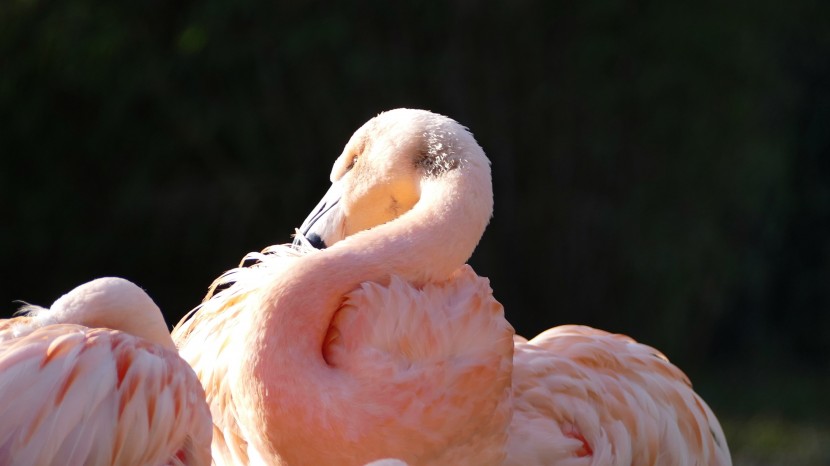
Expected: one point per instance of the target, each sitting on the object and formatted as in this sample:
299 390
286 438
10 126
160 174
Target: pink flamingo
385 344
96 380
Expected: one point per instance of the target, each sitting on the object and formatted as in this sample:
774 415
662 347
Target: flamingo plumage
96 380
384 343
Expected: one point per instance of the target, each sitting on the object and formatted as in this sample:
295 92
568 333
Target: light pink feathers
428 383
385 345
71 394
587 397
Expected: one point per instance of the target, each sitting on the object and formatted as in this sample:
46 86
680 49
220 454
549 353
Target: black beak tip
316 241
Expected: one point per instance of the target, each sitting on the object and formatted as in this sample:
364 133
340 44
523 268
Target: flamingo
370 337
96 380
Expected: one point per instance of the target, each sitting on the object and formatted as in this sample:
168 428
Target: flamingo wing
587 397
97 397
435 364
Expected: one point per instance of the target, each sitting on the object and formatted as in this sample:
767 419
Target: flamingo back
587 397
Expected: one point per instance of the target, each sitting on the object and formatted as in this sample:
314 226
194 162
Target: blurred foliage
766 441
661 170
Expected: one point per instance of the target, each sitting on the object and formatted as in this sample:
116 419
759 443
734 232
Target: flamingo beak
324 226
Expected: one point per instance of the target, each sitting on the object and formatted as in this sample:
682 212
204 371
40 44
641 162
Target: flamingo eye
351 164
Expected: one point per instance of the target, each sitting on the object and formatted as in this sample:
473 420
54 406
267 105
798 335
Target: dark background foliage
661 169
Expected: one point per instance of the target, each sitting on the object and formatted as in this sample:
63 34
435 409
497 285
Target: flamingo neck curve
426 244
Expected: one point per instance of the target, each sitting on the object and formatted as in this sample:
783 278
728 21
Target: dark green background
661 169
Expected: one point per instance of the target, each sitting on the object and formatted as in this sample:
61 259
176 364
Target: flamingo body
384 344
431 379
72 394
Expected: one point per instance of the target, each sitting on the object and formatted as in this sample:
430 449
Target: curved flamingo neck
427 243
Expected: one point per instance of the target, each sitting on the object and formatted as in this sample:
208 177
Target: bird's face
376 179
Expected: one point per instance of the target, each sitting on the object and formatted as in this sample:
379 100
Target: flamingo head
381 172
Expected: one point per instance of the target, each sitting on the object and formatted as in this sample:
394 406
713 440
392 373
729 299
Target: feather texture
422 370
587 397
71 394
384 344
